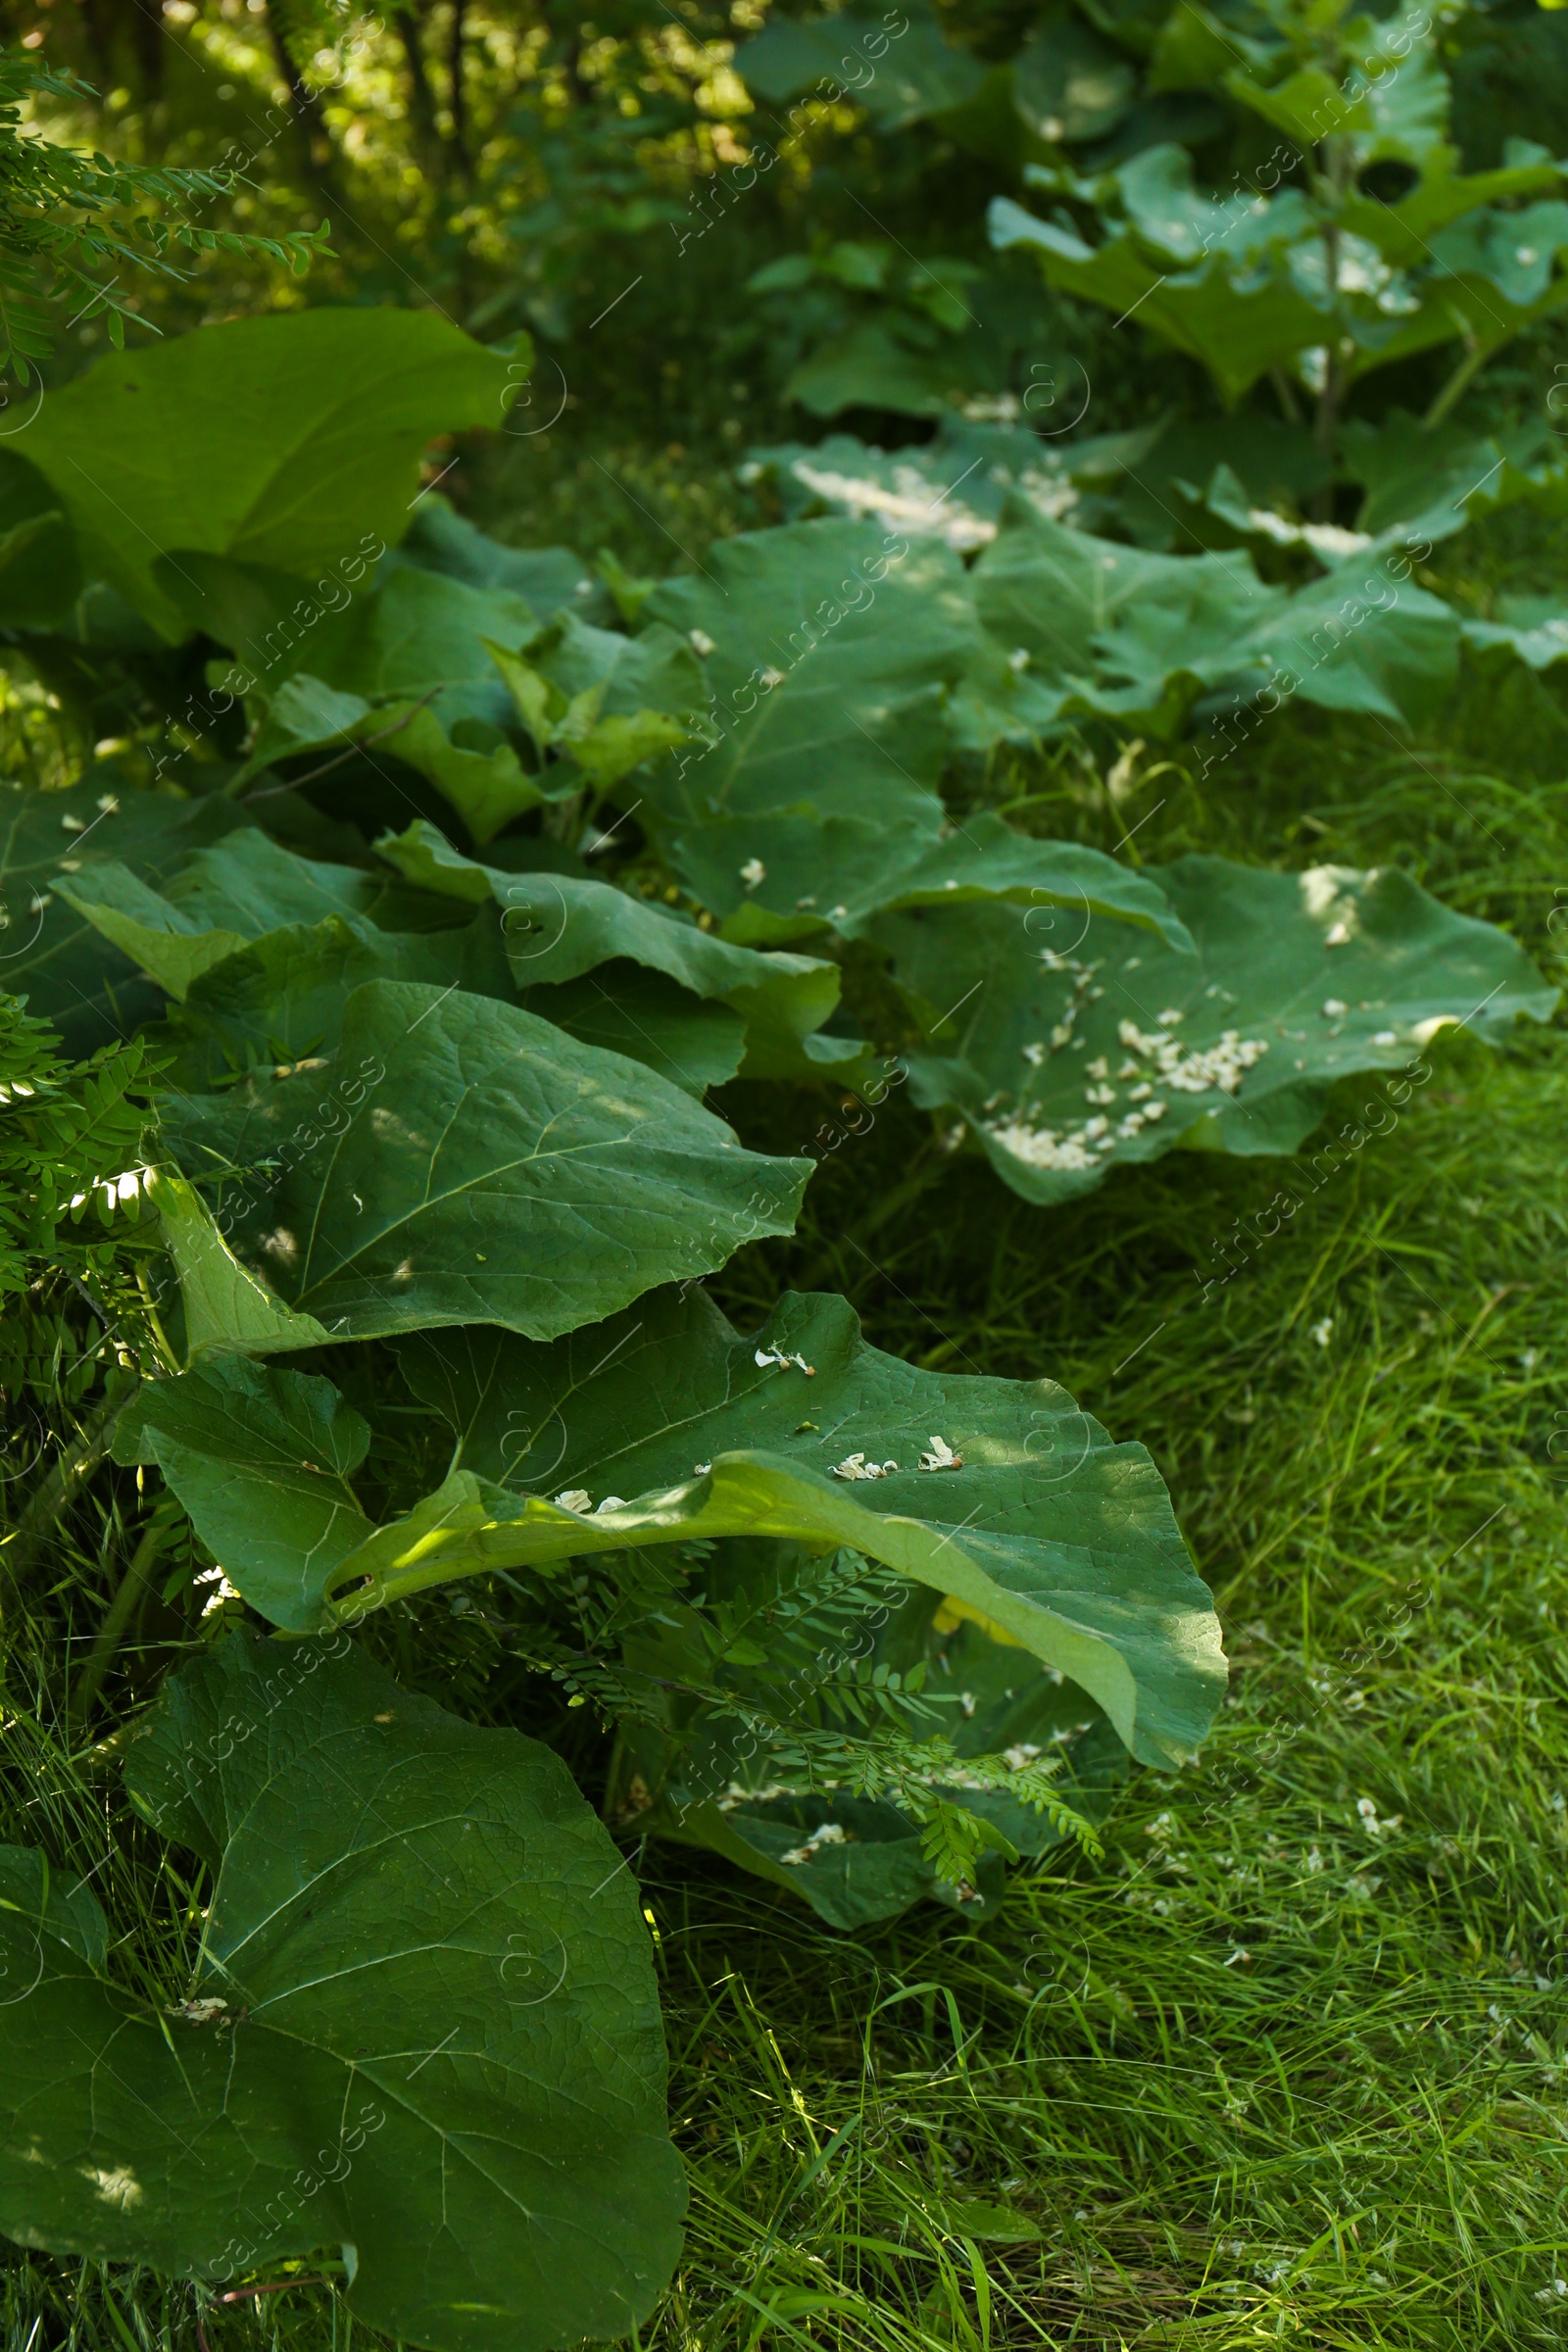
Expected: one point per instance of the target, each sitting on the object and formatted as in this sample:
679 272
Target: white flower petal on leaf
941 1456
856 1466
829 1833
763 1356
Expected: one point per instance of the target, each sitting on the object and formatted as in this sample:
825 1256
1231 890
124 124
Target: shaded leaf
279 998
832 646
1435 480
954 486
224 1306
487 785
1069 83
458 1160
604 699
556 928
1126 633
220 898
854 1858
1237 330
1534 630
1064 1539
40 567
1066 1065
261 1458
49 951
896 66
622 1009
872 366
64 1908
439 2053
547 578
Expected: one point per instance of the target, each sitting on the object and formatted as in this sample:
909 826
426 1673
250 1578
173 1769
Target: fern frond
65 214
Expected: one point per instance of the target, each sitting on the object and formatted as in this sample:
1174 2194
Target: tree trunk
459 96
421 97
147 38
316 148
100 43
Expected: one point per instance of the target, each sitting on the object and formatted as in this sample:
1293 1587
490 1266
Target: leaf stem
85 1690
75 1465
1459 383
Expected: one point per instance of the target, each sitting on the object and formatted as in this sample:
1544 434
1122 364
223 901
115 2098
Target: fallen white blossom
941 1456
829 1833
856 1466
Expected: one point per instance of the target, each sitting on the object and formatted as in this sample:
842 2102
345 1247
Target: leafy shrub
404 1006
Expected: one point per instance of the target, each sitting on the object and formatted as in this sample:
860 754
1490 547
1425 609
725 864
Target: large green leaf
881 365
423 2036
1069 83
815 801
1065 1066
1392 106
828 649
571 667
1277 465
623 1009
1060 883
556 928
50 953
436 669
66 1909
1238 321
1093 626
1359 640
279 998
243 888
897 66
855 870
483 779
456 1160
405 668
291 440
222 1306
1492 274
1402 231
1063 1539
1532 630
40 566
547 578
1434 480
411 632
1242 283
261 1460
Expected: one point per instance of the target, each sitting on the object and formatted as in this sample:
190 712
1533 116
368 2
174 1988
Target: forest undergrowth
1287 2064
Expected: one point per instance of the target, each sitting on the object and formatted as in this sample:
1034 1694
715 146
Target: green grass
1278 2067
